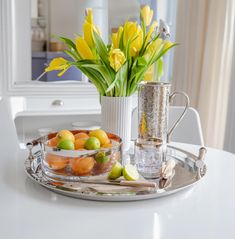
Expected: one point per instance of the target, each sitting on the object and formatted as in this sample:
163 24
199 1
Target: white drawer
61 103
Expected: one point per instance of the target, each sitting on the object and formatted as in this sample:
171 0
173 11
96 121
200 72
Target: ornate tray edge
117 197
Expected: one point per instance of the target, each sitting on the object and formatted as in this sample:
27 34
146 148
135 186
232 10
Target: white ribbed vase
116 117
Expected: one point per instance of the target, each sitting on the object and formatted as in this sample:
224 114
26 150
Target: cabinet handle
57 103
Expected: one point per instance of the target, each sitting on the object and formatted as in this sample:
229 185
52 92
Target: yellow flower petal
116 59
146 14
83 49
137 43
133 33
58 64
116 37
115 40
88 34
89 15
119 35
88 28
150 18
129 31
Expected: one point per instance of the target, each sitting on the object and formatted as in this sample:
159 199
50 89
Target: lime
92 143
101 158
116 171
130 172
66 144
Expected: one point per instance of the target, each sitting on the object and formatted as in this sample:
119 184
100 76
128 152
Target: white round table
204 211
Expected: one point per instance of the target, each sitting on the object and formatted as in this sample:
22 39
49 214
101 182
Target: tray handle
202 153
30 145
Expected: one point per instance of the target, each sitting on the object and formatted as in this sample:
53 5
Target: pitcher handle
171 98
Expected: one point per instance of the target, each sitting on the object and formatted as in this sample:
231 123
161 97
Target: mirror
50 18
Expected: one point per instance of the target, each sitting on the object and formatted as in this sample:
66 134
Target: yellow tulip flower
150 32
83 49
116 59
58 64
146 14
88 28
133 33
116 37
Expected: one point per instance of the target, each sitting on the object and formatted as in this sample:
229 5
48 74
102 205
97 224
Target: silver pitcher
154 99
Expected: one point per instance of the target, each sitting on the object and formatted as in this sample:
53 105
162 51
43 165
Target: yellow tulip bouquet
115 69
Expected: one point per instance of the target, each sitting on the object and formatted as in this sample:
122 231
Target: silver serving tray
189 170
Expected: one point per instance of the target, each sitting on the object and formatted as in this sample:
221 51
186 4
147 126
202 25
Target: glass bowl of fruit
70 155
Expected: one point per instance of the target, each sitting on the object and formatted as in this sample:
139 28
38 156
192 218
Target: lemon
101 135
92 143
66 144
116 171
101 158
65 134
130 172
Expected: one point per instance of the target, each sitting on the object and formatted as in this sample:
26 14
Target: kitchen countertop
203 211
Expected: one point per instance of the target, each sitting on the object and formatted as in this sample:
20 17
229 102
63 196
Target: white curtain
203 61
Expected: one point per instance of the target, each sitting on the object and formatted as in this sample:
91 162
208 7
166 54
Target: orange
65 134
81 136
53 142
56 162
101 135
79 143
82 166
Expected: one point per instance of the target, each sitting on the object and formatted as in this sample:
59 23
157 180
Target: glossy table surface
206 210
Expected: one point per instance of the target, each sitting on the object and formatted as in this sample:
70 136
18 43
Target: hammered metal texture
153 103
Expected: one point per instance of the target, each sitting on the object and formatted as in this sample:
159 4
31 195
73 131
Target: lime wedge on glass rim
116 171
130 172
